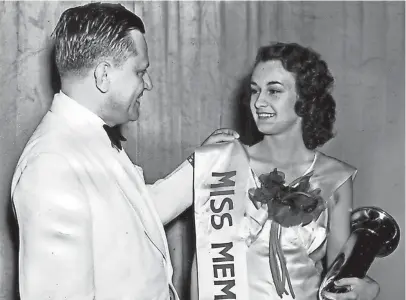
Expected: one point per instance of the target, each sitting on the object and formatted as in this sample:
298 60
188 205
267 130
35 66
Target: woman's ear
299 108
102 76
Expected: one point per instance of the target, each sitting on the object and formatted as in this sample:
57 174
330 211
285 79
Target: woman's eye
254 91
141 73
273 92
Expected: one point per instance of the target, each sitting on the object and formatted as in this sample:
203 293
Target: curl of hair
85 34
314 84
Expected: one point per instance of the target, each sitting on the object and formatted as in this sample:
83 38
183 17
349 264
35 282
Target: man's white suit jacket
89 226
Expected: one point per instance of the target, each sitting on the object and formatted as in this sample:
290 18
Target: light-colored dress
303 247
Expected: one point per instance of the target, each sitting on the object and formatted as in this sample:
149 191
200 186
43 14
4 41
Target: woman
293 110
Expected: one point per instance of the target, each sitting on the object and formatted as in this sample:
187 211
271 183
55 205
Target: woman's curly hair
314 84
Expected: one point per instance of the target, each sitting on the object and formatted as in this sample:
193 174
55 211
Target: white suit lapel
133 186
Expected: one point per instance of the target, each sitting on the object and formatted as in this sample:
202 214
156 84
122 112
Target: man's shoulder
51 136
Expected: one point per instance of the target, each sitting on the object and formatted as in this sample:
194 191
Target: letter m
228 284
226 256
225 180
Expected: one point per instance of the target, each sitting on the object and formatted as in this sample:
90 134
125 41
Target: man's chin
134 111
134 117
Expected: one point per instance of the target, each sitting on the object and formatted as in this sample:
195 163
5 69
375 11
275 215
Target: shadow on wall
188 227
54 74
13 233
55 86
244 122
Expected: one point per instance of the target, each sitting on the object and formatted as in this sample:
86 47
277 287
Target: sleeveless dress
303 247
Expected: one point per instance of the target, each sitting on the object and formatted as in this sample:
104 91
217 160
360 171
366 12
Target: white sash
220 192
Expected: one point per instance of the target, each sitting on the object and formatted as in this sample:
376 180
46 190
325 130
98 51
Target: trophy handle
374 233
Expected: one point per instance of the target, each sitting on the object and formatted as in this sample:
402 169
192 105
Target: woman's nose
261 101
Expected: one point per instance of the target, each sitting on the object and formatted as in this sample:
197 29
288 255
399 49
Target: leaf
288 220
307 219
305 203
304 185
320 208
316 192
251 194
262 195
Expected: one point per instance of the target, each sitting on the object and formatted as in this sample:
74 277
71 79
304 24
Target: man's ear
102 76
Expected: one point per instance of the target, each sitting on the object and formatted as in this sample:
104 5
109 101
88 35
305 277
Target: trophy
374 233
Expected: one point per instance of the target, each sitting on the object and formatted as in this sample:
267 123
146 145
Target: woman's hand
360 289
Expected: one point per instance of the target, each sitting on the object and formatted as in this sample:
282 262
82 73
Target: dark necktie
115 136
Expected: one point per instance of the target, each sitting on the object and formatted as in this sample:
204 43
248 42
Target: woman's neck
284 148
288 155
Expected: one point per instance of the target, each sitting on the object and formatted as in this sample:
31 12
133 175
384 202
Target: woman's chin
267 129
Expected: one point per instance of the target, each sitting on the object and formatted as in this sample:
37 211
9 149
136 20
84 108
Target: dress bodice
303 247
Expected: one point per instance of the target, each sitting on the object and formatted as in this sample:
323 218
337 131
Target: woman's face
273 98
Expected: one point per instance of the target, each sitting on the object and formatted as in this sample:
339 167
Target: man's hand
360 289
221 135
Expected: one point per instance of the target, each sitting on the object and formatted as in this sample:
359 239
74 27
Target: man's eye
141 73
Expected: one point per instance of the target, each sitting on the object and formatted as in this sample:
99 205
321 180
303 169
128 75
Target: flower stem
273 263
275 253
284 268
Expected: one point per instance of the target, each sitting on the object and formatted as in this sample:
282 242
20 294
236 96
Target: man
89 226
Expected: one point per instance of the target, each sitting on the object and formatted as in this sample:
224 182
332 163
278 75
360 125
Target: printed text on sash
221 203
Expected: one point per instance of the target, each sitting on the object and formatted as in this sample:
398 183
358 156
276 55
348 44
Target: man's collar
74 112
84 120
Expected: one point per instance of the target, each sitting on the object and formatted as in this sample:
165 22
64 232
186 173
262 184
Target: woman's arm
340 220
361 288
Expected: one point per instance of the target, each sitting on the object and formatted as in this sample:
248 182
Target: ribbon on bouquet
221 173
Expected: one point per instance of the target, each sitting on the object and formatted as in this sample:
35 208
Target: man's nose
147 82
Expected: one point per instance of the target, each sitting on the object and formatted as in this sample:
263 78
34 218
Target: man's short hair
87 34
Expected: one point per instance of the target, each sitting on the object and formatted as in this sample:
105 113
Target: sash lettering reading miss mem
223 261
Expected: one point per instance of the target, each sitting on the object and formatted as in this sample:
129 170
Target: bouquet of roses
288 205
